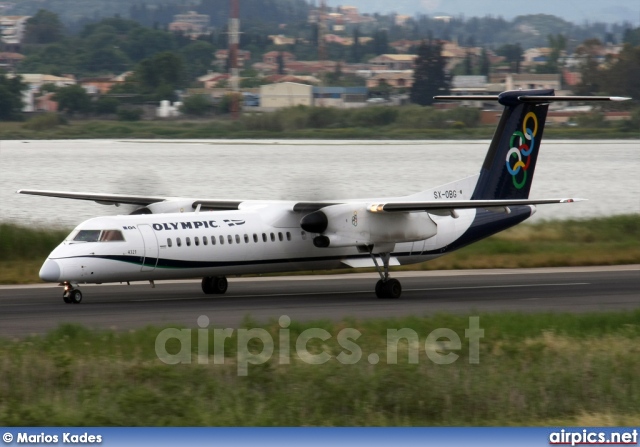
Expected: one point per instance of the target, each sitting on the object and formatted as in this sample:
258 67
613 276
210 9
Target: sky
576 11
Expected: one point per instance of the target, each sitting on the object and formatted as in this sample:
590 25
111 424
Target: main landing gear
71 294
386 287
214 285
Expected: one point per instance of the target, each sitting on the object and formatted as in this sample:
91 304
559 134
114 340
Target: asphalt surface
36 309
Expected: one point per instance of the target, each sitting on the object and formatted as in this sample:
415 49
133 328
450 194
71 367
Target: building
285 94
393 78
393 62
191 24
223 55
290 94
101 85
500 82
272 57
9 61
342 97
280 39
12 30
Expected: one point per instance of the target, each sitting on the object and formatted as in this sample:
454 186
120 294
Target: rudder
507 171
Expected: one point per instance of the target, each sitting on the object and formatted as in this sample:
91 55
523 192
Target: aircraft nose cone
50 271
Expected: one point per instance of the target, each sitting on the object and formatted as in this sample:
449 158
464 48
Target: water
605 172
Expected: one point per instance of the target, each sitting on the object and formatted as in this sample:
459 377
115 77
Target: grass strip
225 129
541 369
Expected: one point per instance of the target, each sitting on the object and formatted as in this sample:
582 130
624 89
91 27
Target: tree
160 75
468 64
106 106
43 28
197 56
72 99
558 44
485 63
513 55
197 105
280 62
11 97
356 48
429 77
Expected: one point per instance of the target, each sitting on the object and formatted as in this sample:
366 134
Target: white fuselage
261 239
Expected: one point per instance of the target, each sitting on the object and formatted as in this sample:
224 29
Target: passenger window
169 243
221 240
273 237
288 236
255 237
246 238
264 237
280 238
178 242
111 235
188 242
230 239
237 238
205 241
196 240
213 240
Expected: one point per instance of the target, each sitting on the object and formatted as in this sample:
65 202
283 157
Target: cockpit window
87 236
111 235
97 236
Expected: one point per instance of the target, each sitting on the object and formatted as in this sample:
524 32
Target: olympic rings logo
522 144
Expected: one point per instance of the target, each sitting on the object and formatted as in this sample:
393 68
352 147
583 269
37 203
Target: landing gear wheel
66 297
388 289
220 285
214 285
75 296
207 285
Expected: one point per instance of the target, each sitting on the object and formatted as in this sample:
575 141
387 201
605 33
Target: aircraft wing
104 199
450 205
126 199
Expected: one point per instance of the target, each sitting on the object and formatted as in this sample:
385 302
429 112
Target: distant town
162 61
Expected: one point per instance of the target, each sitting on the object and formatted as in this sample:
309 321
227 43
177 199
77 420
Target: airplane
168 238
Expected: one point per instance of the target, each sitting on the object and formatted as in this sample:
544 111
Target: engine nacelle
168 206
347 225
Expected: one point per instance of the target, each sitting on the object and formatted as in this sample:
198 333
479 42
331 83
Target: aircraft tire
66 297
391 289
208 285
220 285
75 296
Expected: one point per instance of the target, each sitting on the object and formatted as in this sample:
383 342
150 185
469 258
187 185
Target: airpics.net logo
257 346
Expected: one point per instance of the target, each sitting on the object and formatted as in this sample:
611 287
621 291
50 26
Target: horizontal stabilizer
530 98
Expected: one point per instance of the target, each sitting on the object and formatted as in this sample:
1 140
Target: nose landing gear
71 294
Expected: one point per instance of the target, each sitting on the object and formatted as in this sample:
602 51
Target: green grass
245 129
541 369
597 241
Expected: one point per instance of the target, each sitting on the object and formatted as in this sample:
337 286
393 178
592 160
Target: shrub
130 114
45 122
197 105
106 106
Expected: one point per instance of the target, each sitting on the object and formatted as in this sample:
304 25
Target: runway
35 309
